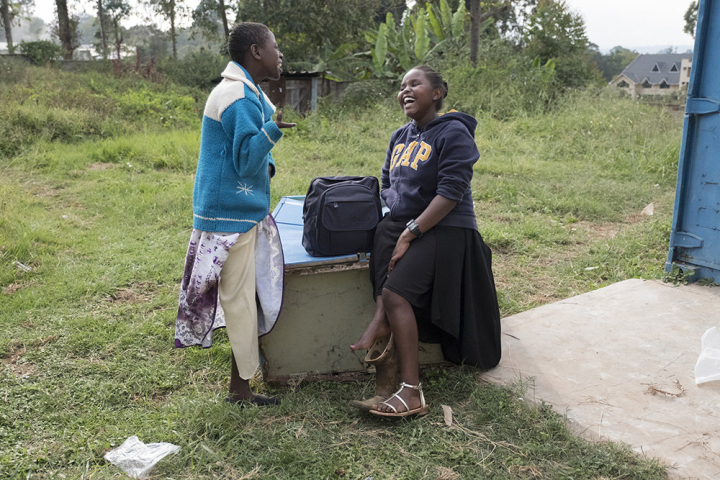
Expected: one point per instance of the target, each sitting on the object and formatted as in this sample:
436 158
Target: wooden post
314 94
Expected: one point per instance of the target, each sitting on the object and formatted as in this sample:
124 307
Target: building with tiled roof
660 74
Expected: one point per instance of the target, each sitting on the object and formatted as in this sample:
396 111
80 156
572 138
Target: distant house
660 74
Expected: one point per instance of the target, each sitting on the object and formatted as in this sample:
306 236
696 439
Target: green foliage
103 225
44 105
12 12
210 18
691 15
200 69
40 52
395 49
366 94
678 276
103 221
303 28
614 62
554 32
503 85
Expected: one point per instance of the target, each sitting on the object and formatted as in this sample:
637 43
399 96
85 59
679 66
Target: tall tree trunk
223 17
172 29
5 12
474 30
118 38
64 29
103 34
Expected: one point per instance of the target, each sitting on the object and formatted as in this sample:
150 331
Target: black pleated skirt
456 305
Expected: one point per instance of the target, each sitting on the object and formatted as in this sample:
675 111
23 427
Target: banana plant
396 48
446 26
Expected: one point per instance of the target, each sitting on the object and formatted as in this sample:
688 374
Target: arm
385 172
437 210
280 124
252 139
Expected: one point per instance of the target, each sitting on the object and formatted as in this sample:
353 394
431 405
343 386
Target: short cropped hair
436 81
243 36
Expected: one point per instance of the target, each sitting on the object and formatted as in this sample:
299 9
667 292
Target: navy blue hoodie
435 160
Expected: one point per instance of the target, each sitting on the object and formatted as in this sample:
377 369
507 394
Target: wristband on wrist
414 229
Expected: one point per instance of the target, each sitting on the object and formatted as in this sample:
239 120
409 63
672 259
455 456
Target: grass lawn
94 223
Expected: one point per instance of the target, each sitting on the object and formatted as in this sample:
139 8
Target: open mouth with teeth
408 101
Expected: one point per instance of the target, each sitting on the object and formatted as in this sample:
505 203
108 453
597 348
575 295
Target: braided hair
436 81
243 36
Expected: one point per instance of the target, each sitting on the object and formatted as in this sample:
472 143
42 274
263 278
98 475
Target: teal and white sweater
232 185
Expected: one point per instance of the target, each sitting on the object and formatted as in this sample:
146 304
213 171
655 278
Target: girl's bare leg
404 327
378 328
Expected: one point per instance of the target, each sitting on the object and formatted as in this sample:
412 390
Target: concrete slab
605 358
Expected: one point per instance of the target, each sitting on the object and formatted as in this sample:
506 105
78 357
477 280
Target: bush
40 52
199 69
366 93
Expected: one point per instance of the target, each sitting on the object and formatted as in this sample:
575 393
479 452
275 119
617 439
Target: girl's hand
282 124
400 248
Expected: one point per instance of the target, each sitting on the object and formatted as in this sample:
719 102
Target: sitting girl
428 255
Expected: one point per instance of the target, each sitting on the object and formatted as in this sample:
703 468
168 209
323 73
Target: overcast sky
630 23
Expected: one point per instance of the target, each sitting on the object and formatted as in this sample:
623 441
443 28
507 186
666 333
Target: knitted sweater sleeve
252 139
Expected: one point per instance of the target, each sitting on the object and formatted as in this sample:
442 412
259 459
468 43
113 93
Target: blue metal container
695 234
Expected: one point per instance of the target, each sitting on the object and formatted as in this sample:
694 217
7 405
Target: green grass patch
93 231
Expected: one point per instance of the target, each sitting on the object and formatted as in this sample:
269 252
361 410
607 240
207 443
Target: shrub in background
366 93
200 69
40 52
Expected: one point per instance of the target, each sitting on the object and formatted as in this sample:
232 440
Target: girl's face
270 58
417 97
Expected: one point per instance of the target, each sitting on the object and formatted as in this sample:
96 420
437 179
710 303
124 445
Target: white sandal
421 410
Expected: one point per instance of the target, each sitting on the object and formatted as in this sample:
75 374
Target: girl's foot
410 396
376 329
254 399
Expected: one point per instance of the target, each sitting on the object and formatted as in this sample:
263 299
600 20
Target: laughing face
271 57
417 97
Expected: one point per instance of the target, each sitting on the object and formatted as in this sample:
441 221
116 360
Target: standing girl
428 254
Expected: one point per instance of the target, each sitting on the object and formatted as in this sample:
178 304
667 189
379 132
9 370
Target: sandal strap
388 405
417 387
395 395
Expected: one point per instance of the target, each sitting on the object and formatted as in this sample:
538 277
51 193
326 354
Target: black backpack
340 215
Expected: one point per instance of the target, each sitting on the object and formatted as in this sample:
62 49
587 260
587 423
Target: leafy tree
554 32
170 10
614 62
102 32
507 15
210 18
11 13
150 41
691 18
304 28
66 29
396 7
116 10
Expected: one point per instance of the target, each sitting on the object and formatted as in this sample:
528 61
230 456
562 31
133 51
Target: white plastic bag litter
707 367
137 458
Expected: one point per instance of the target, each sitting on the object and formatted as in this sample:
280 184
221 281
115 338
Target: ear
437 94
255 51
